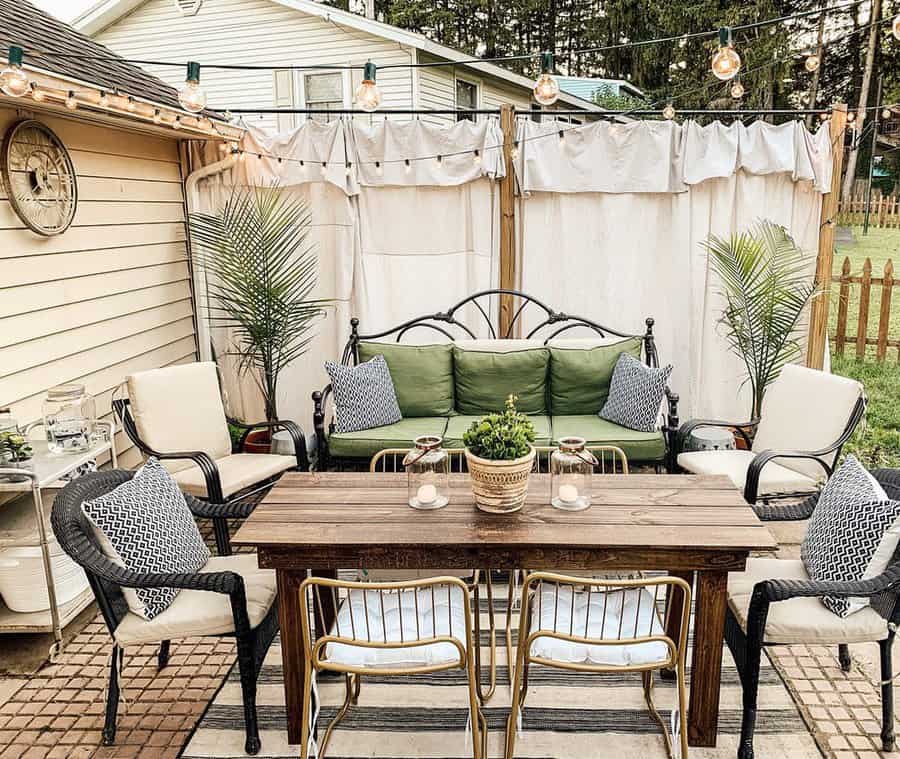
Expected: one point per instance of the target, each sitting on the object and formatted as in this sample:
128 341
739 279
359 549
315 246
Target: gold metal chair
391 460
390 628
587 625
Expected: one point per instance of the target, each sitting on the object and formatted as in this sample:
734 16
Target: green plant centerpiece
767 283
15 453
500 457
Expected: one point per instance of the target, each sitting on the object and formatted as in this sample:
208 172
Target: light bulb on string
823 116
348 168
324 168
669 112
378 170
37 93
439 160
812 62
13 79
192 96
103 100
176 124
71 100
546 88
726 62
895 27
737 89
132 104
851 116
562 137
514 153
407 166
476 157
886 113
368 96
157 116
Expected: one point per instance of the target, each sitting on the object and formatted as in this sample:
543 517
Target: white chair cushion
805 410
447 619
774 478
614 615
799 620
179 408
237 471
201 612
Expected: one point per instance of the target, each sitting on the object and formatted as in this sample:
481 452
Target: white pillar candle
426 494
568 493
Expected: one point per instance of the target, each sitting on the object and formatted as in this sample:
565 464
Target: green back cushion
484 379
422 374
579 378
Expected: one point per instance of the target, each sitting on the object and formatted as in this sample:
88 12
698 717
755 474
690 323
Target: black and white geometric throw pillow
852 533
364 395
635 394
145 525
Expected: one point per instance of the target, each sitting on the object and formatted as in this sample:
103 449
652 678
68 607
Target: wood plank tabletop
340 511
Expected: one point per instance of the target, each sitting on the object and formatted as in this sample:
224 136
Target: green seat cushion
579 377
366 443
457 425
484 379
422 375
638 446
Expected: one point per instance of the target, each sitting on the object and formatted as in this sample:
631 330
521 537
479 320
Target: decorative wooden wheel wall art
39 177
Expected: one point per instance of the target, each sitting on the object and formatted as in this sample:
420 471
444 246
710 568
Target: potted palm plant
500 456
767 285
261 271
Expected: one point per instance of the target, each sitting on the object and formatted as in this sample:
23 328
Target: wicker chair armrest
208 510
787 512
689 426
782 590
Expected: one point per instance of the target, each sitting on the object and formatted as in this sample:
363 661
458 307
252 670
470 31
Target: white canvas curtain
612 217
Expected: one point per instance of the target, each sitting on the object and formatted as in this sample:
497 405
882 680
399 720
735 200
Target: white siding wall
112 294
252 32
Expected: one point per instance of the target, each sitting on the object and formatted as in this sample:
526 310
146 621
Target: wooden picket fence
883 212
867 283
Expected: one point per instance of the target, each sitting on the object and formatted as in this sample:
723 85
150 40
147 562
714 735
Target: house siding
112 294
253 32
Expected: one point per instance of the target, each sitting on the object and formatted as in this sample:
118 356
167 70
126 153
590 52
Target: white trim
107 12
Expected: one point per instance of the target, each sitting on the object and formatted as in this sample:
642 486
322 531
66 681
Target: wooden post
862 324
840 337
507 220
884 320
818 317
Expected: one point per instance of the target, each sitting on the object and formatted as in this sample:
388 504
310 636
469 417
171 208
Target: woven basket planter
500 487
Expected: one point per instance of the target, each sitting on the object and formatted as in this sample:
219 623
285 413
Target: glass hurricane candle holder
69 418
571 469
427 469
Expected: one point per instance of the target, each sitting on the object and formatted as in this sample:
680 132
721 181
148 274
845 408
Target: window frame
344 75
475 82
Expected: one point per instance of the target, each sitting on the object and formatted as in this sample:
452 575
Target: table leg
706 665
292 660
674 610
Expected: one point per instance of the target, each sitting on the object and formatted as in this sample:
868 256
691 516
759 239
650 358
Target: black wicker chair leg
223 537
887 694
112 698
248 671
163 658
844 657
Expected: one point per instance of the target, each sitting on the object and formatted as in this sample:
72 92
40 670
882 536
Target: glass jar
427 469
70 415
8 422
571 468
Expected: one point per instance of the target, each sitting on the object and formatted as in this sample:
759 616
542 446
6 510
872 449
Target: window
466 97
536 113
324 91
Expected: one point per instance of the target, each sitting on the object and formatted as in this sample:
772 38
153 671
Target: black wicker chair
746 641
107 580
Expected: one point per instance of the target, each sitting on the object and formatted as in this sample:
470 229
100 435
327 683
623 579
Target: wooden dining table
696 527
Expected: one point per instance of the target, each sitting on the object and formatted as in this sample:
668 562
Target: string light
368 96
546 88
476 157
851 117
71 101
562 137
895 27
886 113
132 104
726 62
823 116
103 100
176 124
439 160
324 168
378 170
514 153
669 112
812 62
37 93
347 167
13 79
407 166
737 89
192 96
157 116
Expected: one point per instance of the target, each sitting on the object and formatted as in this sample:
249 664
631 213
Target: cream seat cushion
613 615
408 615
201 612
805 410
799 620
179 408
774 477
237 471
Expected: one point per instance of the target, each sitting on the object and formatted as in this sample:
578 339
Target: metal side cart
48 471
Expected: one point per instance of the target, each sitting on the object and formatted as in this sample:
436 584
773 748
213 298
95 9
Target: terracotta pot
500 487
258 441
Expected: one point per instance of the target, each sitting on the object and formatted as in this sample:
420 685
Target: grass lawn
877 441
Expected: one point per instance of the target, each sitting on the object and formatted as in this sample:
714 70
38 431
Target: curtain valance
664 157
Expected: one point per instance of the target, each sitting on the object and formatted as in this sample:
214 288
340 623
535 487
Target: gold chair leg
647 679
350 694
479 738
682 709
517 701
510 600
307 699
485 696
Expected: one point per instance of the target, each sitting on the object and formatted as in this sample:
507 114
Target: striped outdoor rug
568 715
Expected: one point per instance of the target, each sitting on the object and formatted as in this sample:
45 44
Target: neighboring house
112 293
297 33
586 87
